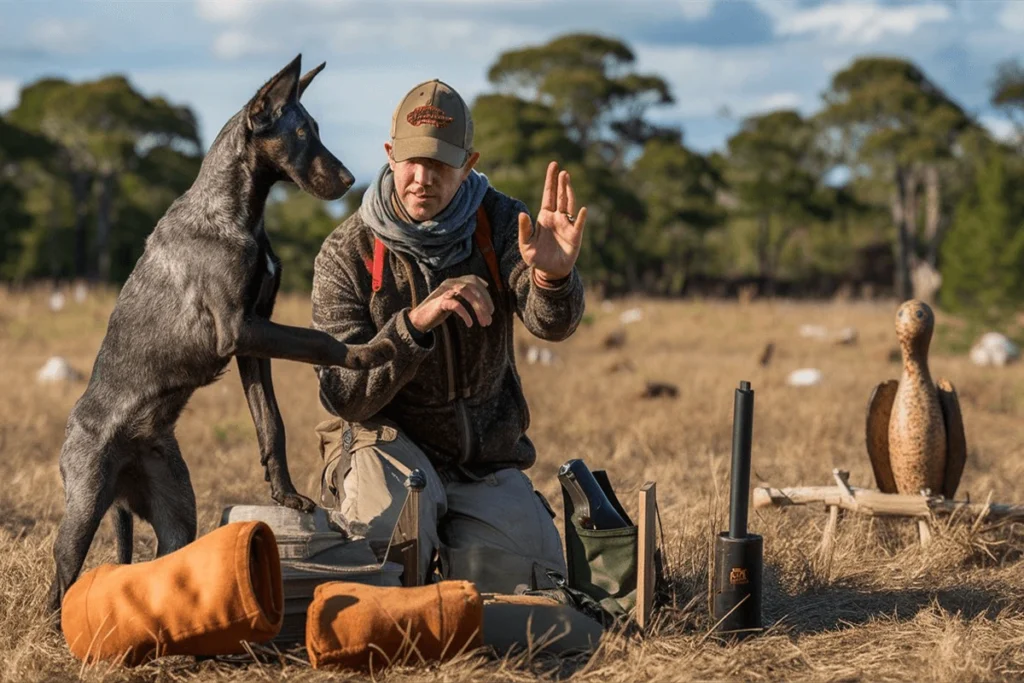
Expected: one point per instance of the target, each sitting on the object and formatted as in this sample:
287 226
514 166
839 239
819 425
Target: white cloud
780 100
225 11
704 79
9 88
999 127
696 9
61 36
1011 15
233 44
858 22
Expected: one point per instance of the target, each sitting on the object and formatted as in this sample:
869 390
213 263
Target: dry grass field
885 609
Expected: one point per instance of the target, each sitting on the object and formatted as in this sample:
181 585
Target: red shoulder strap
482 237
378 263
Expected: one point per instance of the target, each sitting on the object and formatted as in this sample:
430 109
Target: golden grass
884 610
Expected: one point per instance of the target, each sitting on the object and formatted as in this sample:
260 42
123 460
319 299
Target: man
412 266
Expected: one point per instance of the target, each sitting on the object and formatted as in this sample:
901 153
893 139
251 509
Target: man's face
427 186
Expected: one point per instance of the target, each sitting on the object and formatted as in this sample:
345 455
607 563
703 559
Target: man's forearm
551 310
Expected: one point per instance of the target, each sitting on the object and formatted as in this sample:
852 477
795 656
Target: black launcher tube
742 433
736 598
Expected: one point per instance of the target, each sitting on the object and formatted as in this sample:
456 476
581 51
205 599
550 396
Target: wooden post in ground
645 554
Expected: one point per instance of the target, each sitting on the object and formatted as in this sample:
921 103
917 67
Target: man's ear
470 163
391 158
266 104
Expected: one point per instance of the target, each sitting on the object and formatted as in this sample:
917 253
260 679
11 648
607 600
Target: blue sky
724 59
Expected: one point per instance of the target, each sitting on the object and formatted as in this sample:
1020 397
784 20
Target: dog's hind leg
123 533
90 486
259 392
172 501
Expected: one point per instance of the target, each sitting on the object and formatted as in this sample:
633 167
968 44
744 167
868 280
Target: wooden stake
828 537
645 554
925 532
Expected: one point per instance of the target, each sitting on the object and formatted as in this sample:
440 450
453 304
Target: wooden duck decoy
915 431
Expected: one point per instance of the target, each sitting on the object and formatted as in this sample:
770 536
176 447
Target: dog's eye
301 132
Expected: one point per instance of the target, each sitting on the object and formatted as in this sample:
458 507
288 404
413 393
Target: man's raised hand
553 247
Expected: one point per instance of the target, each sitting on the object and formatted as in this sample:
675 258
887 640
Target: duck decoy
915 430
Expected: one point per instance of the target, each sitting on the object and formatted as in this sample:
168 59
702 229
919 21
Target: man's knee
502 534
371 491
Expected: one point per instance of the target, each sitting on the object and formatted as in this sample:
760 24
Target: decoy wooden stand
874 503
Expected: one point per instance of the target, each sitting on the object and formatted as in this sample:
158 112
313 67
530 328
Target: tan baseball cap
432 121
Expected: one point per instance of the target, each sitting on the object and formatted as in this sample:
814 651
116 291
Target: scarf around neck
438 243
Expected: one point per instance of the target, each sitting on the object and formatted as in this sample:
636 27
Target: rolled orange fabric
204 599
363 627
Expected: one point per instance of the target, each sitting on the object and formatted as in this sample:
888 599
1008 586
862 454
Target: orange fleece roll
363 627
204 599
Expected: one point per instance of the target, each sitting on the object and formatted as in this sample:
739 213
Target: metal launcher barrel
738 554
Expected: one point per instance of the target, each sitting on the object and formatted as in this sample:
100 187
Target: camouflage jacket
454 391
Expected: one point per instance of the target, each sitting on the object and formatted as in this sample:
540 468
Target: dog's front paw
295 501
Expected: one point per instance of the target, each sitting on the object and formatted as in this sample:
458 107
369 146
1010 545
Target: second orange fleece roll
363 627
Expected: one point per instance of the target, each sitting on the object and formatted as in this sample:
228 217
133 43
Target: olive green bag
602 564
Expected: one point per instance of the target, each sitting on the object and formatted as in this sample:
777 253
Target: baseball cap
432 121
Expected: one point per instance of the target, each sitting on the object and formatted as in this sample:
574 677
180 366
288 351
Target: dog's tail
366 356
123 533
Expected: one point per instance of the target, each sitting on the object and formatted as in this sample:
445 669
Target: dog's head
287 138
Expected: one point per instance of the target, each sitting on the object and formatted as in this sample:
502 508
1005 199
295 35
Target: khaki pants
496 531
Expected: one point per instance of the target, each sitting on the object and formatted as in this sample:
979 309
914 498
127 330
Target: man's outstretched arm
540 269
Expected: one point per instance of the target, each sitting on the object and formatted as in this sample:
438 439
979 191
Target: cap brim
431 148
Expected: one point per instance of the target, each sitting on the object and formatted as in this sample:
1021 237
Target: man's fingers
570 196
548 200
525 228
576 230
454 304
563 196
480 300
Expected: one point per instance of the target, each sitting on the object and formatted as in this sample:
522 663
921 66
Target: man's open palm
553 247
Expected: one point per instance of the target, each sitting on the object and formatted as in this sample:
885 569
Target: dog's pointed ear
308 78
266 104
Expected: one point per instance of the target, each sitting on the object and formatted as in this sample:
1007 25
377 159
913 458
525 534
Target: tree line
890 182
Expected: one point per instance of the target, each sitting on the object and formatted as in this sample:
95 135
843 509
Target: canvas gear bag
602 563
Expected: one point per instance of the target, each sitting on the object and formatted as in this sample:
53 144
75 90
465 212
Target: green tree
885 118
1008 95
984 249
588 80
679 188
26 164
298 224
104 128
776 170
578 100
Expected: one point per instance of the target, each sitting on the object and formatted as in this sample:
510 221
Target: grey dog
202 292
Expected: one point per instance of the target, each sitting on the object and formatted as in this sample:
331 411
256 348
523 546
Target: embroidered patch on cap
428 115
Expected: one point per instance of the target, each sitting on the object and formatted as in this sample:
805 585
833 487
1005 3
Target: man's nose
424 175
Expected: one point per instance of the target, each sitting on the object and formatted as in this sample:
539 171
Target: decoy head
914 324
